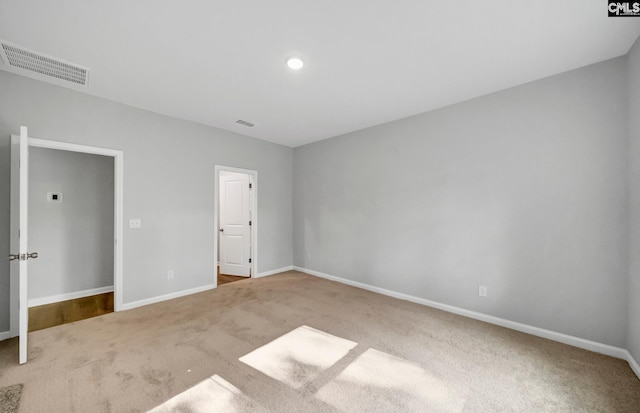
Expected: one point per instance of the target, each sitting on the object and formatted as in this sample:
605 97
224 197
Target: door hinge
249 223
250 185
249 260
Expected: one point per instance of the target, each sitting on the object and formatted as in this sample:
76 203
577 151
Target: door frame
118 175
253 229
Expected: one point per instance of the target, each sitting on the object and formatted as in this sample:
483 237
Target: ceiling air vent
24 59
245 123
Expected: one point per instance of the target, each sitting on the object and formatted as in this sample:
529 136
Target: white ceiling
366 61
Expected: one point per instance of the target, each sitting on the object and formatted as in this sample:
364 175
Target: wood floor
50 315
226 279
55 314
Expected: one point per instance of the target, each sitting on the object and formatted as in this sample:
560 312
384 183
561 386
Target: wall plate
55 197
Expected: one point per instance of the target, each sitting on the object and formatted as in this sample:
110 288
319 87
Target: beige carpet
10 398
296 343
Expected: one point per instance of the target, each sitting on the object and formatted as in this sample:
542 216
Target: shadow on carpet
10 398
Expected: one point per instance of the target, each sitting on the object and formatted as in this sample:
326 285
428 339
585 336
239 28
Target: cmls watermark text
624 8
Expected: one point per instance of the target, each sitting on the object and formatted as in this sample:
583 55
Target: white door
235 229
19 253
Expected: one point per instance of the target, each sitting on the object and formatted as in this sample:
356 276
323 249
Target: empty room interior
297 206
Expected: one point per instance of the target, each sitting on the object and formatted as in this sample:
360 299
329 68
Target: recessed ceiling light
295 63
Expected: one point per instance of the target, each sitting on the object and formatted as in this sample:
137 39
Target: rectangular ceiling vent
24 59
245 123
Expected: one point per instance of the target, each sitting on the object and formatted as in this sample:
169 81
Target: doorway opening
71 217
57 241
236 223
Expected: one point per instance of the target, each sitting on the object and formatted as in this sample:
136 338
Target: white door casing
118 192
234 226
19 242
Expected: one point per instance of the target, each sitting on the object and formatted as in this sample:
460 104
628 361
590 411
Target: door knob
221 230
23 257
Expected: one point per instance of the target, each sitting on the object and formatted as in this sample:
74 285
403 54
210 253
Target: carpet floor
296 343
10 398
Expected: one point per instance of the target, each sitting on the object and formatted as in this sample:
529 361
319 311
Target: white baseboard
272 272
153 300
633 364
5 335
606 349
69 296
160 298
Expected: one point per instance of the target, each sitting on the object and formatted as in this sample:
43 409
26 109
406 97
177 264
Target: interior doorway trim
254 217
118 171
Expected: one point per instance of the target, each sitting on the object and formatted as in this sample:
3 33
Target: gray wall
524 191
634 256
169 182
74 238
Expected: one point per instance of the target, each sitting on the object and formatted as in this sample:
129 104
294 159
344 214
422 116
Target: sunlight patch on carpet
296 358
214 394
377 381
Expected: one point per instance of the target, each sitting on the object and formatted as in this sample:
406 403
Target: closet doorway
71 217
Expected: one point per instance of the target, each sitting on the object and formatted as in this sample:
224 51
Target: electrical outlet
482 291
135 223
170 275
